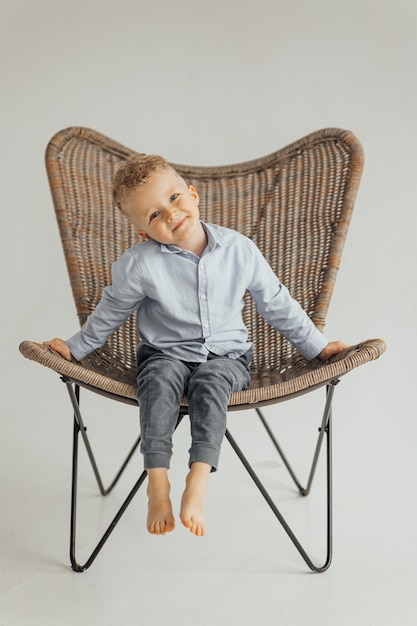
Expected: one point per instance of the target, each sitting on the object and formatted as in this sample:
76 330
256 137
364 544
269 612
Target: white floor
245 571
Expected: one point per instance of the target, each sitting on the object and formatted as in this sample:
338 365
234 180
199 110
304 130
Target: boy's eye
173 197
153 215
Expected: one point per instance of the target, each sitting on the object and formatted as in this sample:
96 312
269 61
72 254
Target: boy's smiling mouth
180 223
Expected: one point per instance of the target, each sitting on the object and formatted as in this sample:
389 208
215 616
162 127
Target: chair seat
106 376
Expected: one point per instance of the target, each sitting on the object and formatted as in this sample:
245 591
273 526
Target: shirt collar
215 237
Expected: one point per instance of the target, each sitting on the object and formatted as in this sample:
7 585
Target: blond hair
134 173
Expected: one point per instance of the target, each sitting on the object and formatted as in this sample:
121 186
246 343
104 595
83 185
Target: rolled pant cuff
205 454
154 460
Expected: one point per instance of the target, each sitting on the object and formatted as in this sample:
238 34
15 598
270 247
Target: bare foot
192 511
160 515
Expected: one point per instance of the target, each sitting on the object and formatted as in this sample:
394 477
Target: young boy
186 282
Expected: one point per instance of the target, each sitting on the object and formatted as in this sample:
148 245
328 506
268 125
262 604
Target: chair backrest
295 204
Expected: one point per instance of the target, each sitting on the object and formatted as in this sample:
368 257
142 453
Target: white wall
211 83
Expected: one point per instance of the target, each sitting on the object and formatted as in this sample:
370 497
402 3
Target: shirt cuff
77 347
313 345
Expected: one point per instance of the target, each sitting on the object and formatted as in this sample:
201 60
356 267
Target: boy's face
166 210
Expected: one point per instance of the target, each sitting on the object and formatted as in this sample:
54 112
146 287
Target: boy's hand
59 346
334 347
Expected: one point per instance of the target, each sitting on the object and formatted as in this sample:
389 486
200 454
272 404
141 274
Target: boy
186 282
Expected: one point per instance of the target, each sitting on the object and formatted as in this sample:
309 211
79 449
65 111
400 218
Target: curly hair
135 172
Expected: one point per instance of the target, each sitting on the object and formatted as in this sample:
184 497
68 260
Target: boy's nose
171 215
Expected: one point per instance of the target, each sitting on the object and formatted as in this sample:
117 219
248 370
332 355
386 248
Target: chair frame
278 374
325 431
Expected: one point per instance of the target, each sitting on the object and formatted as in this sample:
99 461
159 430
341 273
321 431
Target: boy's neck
198 250
198 246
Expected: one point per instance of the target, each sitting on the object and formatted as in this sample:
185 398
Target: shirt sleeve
118 301
275 304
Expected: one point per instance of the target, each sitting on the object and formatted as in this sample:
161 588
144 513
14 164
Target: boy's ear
194 194
142 234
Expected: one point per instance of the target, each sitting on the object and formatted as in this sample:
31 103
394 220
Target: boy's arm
275 304
118 301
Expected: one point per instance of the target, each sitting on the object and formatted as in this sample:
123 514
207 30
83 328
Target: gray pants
163 380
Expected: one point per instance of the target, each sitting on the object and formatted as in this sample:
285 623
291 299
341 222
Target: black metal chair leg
74 393
80 429
76 566
325 430
304 491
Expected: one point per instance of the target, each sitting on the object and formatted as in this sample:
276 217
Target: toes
153 529
156 528
199 530
195 527
169 527
161 527
188 524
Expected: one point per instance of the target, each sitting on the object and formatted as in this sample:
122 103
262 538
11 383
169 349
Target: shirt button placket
202 291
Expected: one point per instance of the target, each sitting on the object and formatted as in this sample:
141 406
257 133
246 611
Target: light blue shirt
188 306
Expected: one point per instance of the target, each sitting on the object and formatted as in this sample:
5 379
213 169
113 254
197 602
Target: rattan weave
295 204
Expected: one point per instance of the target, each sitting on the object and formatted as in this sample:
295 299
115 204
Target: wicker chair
295 204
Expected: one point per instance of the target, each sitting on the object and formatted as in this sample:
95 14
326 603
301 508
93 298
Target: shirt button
206 325
202 267
203 297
